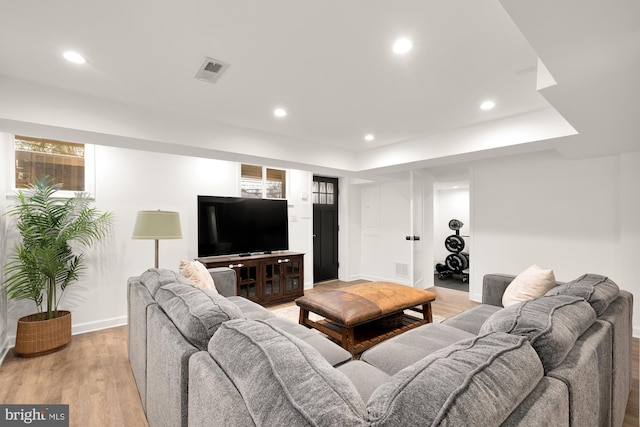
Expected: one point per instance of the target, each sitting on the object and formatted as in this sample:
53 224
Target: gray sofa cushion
477 381
599 291
287 382
167 371
225 280
619 315
138 300
471 320
546 405
551 323
154 278
197 313
216 401
586 372
250 309
405 349
365 377
332 352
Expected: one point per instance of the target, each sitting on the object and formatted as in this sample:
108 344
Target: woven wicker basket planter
36 337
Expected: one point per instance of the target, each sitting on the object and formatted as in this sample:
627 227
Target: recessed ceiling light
369 137
402 46
74 57
279 112
487 105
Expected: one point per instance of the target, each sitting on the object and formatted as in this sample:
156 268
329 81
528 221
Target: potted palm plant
55 231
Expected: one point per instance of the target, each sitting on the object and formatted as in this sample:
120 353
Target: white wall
301 219
574 216
449 204
629 243
5 177
349 234
385 221
128 181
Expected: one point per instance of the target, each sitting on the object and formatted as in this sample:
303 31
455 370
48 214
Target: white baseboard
475 297
402 281
81 328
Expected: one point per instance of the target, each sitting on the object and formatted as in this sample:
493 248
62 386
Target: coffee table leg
348 339
304 316
426 312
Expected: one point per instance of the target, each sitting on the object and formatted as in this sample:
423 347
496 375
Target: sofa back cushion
155 278
551 323
599 291
477 381
196 312
283 380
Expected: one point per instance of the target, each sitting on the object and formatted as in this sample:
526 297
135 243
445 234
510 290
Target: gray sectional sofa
170 321
561 359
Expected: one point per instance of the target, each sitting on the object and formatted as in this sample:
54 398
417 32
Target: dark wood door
325 229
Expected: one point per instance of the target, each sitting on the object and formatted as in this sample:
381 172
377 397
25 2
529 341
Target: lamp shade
157 225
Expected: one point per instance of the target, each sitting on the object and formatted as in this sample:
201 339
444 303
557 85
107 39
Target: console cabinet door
248 275
294 276
283 279
272 281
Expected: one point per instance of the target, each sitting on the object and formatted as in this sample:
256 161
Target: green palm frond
54 232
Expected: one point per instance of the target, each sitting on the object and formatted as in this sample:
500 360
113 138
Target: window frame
264 180
89 170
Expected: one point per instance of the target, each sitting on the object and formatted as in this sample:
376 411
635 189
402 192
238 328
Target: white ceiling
329 63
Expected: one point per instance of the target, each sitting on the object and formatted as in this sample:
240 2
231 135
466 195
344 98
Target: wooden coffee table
361 316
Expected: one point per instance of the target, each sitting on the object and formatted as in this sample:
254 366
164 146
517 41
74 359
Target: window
66 162
323 193
276 188
258 182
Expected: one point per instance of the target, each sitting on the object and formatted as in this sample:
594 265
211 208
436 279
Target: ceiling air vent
211 70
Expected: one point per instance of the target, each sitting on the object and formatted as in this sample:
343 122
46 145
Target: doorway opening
451 235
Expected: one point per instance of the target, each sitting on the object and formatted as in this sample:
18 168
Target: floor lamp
156 225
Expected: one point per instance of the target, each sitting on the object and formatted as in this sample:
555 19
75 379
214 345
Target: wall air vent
211 70
402 269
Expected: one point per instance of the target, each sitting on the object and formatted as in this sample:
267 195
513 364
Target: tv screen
236 225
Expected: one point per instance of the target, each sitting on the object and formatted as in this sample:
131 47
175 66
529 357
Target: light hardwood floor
93 376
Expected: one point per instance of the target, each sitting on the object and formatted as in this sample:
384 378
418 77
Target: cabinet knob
236 265
280 261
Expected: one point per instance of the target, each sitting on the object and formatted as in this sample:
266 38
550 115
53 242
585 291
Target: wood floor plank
92 374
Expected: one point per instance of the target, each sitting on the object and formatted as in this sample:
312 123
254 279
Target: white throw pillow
197 274
531 283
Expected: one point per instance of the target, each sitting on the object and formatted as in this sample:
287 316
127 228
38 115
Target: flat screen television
241 226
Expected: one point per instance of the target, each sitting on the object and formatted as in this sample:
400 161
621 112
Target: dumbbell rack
456 263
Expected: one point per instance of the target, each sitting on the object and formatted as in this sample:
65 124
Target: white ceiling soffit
592 49
336 85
